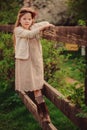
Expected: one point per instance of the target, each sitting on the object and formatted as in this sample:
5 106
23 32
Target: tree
8 10
78 9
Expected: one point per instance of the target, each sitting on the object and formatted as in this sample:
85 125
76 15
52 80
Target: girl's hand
46 26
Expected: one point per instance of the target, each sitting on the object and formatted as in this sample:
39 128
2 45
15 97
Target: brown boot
39 100
44 109
41 107
39 110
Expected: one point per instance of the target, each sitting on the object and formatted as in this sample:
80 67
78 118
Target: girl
29 62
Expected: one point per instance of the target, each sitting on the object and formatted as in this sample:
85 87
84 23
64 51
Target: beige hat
28 9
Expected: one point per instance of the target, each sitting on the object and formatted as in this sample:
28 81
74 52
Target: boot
42 109
46 117
39 100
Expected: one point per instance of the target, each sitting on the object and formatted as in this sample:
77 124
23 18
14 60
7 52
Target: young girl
29 75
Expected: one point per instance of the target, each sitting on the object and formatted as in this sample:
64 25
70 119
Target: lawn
15 116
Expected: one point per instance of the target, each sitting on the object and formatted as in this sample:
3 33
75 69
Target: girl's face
26 20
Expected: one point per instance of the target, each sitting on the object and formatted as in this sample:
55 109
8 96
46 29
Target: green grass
14 116
18 119
59 119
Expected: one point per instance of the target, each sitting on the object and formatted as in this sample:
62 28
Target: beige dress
29 74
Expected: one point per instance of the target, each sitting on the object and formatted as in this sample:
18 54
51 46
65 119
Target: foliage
11 100
76 68
76 95
53 62
8 11
59 65
83 113
6 61
77 10
81 22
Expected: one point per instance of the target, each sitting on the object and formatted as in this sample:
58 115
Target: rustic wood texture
76 34
69 34
6 28
65 106
33 109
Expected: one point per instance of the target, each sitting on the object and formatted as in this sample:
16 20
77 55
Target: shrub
6 61
78 11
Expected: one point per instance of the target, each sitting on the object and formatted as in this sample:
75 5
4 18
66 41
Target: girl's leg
31 95
41 106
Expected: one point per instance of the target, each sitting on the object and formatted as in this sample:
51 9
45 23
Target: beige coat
23 37
29 75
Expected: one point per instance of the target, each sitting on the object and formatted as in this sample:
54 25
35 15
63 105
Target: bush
6 61
9 10
58 65
53 63
78 11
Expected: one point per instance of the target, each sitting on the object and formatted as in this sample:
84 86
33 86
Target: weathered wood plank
65 106
6 28
65 34
33 109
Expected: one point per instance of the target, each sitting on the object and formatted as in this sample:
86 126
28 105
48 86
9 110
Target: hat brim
27 9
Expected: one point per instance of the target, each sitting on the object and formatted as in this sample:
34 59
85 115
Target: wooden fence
71 35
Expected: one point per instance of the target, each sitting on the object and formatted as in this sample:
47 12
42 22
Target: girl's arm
42 25
24 33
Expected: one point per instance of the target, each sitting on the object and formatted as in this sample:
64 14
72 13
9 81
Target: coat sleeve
20 32
40 24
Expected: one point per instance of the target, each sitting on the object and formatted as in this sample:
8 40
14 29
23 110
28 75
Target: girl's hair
21 12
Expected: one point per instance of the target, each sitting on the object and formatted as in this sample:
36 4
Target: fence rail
68 34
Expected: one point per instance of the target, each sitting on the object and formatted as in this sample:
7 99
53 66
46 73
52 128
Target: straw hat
28 9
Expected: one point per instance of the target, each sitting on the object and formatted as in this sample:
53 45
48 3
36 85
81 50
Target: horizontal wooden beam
6 28
66 34
65 106
33 109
